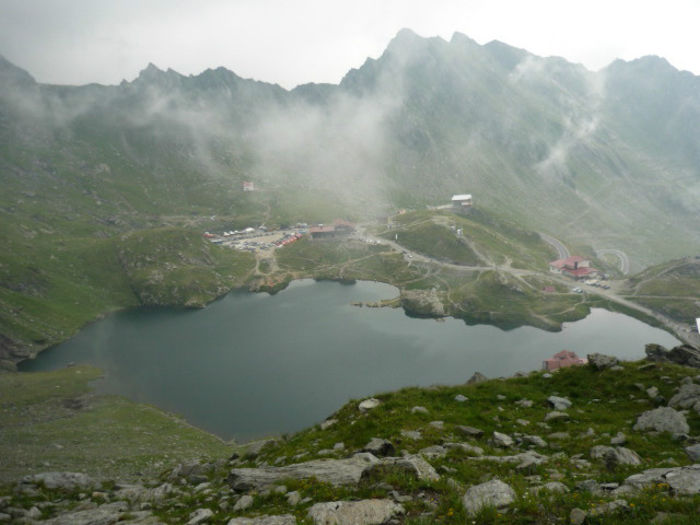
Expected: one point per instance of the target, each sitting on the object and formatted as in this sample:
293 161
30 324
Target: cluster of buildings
562 359
576 267
339 228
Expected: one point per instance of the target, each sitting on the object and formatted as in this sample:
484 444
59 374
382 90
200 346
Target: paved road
622 256
562 250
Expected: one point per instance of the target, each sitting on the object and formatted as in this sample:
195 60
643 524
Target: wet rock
601 361
559 403
662 419
364 512
494 493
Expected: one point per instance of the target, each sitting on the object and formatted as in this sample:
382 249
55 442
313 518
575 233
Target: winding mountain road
562 250
622 256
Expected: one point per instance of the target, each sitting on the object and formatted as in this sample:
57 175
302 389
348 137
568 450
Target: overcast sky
292 42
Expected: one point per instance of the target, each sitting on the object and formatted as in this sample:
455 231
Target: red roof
579 272
320 229
568 262
563 359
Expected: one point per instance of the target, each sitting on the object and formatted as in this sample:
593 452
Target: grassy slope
53 421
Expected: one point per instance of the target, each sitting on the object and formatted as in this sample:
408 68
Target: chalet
576 267
339 228
562 359
462 203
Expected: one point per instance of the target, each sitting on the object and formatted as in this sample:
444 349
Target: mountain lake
251 365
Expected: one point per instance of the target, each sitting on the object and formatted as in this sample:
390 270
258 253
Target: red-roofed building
339 228
562 359
575 266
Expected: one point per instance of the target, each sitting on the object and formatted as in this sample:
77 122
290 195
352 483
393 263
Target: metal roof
463 197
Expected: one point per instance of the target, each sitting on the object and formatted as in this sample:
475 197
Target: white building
462 203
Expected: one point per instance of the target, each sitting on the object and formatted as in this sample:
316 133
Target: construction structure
576 267
462 203
562 359
339 228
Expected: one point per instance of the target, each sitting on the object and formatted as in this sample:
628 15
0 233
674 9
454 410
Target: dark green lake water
250 365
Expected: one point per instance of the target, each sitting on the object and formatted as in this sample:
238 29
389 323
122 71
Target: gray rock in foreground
601 361
662 419
681 480
333 471
364 512
559 403
413 466
618 455
60 480
494 493
693 452
688 396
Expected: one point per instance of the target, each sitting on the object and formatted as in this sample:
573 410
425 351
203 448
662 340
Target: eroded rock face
662 419
494 493
364 512
333 471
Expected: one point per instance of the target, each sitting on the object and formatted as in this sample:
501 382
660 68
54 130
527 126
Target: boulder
535 440
502 440
283 519
419 410
554 487
618 439
478 377
364 512
662 419
380 447
693 452
415 435
494 493
609 507
681 480
470 431
601 361
433 452
460 398
556 415
616 455
334 471
368 404
244 503
688 396
60 480
465 447
200 516
106 514
523 459
656 352
577 516
685 354
559 403
413 466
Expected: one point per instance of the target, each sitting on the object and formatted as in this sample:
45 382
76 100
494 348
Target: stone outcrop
368 404
60 480
477 377
364 512
413 466
494 493
662 419
681 480
333 471
380 447
685 354
559 403
601 361
616 455
688 396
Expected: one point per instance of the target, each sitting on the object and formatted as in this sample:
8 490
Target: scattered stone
522 422
535 440
555 487
437 424
283 519
618 439
601 361
460 398
559 403
681 480
415 435
433 452
616 455
60 480
293 498
524 403
478 377
470 431
502 440
500 397
108 513
617 368
466 447
333 471
609 508
559 435
523 459
547 375
494 493
556 415
244 503
380 447
368 404
412 465
328 423
200 516
652 392
364 512
662 419
687 397
577 516
693 452
419 410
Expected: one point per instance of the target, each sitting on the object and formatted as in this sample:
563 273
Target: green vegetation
54 421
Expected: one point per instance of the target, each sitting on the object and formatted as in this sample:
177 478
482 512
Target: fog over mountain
610 158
